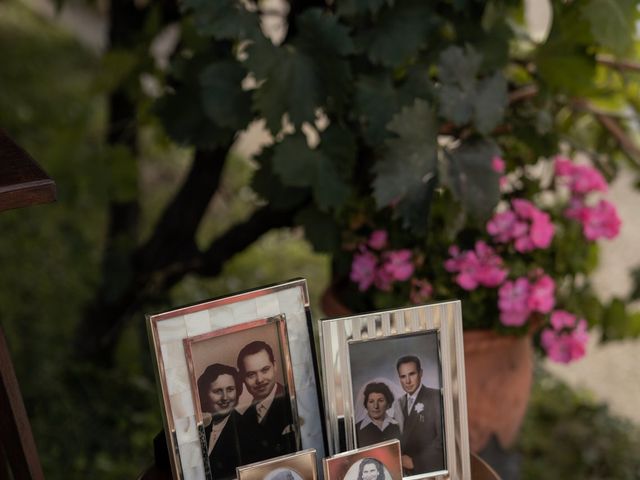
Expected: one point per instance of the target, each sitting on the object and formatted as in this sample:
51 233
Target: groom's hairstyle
408 359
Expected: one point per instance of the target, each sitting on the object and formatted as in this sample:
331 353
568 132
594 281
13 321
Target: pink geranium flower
601 221
526 225
421 290
497 164
504 226
378 239
363 269
513 299
542 295
582 179
481 266
567 339
397 263
542 230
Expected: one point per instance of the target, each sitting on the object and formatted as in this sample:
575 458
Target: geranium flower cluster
481 266
520 227
598 217
373 265
524 224
519 298
567 338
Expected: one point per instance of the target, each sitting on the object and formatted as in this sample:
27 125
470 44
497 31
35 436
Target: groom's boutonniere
419 407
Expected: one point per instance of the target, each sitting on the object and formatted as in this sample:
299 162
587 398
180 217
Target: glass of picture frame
399 373
298 466
214 332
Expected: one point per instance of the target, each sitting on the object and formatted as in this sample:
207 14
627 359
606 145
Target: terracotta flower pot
499 374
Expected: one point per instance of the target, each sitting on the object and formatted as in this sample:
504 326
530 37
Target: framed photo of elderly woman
377 462
399 374
297 466
208 337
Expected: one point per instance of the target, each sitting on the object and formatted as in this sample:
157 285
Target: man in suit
419 413
267 425
219 388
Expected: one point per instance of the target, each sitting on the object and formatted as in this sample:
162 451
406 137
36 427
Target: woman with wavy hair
377 426
371 469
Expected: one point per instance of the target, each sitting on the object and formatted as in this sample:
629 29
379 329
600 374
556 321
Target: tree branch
610 61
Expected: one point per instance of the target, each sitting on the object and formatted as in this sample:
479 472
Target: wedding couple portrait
244 398
396 385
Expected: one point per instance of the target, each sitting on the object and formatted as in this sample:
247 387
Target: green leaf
375 103
568 49
270 187
292 87
181 111
299 166
490 103
399 33
403 174
612 23
339 144
352 8
471 179
224 19
320 229
223 99
615 321
463 98
123 173
321 32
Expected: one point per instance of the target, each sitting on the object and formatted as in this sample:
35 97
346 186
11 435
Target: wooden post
22 183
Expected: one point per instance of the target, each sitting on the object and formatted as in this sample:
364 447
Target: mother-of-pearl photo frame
337 334
167 332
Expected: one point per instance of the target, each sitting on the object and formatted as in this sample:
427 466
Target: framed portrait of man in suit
399 374
244 395
200 348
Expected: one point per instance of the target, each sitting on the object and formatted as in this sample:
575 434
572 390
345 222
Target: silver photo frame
167 334
438 328
297 466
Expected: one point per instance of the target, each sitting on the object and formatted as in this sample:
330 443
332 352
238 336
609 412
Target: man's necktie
261 410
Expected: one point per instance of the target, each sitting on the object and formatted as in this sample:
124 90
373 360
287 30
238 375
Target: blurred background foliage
98 423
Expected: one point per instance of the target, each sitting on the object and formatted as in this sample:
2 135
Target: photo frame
376 462
167 334
376 348
298 466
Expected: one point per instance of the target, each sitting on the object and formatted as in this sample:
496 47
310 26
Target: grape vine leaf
299 166
471 177
224 100
224 19
307 74
375 103
613 23
409 161
268 185
399 34
463 98
352 8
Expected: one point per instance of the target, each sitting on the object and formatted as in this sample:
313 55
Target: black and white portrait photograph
397 394
297 466
244 394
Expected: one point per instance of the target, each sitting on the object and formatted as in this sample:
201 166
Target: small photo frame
399 374
377 462
285 308
298 466
245 397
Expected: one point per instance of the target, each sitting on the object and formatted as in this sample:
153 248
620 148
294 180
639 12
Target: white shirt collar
385 423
